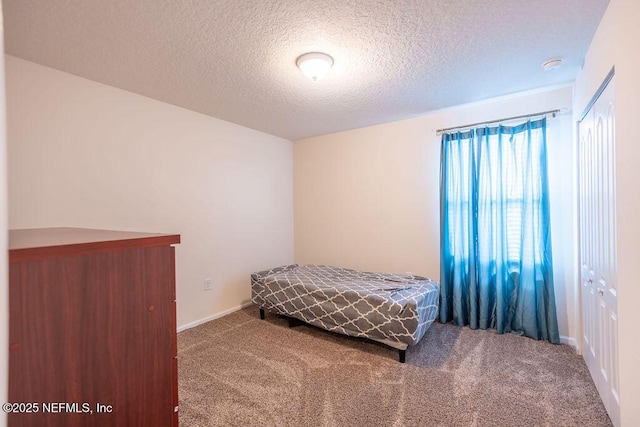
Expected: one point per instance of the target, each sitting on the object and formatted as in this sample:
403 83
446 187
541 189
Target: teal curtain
496 267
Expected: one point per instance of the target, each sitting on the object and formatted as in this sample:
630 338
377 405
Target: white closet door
597 209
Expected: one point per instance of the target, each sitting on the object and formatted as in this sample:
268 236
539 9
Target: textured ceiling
235 59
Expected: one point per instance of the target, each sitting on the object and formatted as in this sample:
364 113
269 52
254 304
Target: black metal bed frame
293 322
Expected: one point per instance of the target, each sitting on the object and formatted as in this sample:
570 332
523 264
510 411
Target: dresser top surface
72 241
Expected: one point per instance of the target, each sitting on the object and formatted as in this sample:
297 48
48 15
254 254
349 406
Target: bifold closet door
597 210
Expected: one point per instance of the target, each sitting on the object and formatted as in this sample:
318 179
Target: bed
395 310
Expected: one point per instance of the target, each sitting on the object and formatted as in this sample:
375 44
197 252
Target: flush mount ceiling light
552 64
314 65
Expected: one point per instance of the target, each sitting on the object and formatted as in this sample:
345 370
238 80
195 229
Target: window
491 173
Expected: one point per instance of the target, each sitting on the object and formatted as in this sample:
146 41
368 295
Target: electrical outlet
208 284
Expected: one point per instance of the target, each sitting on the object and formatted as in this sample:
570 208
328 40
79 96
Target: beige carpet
241 371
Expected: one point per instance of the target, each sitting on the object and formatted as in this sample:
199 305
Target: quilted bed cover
384 307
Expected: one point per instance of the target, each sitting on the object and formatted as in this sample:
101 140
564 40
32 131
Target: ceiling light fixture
314 65
551 64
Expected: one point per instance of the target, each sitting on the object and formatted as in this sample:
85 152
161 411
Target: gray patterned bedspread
383 307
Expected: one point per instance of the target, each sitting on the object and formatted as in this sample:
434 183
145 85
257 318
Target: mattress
394 309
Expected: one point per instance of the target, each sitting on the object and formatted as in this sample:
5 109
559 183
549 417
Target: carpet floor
242 371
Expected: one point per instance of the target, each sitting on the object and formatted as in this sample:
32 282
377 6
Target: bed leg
401 355
262 314
293 322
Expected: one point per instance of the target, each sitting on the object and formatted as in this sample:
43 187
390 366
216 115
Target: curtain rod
553 112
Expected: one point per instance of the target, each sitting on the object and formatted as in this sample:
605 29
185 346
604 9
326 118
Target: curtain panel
496 258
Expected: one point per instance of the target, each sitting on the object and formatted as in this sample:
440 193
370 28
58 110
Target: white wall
4 287
369 198
83 154
615 44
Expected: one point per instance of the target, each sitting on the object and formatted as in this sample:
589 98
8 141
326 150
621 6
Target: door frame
605 377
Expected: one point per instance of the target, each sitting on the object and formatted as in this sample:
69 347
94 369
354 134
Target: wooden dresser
92 328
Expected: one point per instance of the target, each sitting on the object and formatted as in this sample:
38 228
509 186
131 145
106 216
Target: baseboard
214 316
569 341
563 339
